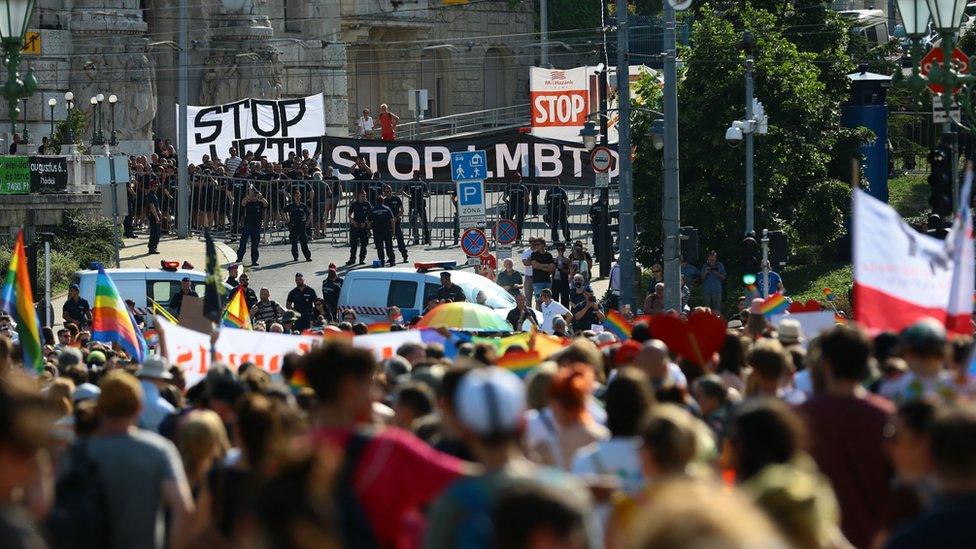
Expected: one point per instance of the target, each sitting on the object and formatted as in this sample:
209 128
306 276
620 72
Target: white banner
560 101
191 349
266 127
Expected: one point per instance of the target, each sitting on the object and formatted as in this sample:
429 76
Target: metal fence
911 135
215 205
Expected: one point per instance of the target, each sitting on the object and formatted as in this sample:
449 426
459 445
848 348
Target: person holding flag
237 315
111 320
16 300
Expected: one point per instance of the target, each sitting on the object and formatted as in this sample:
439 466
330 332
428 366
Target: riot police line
426 212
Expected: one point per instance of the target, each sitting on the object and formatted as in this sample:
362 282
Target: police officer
374 189
298 218
176 302
331 287
301 299
395 204
449 291
457 220
249 296
599 224
517 197
557 207
154 215
358 228
76 309
254 205
382 222
232 270
418 191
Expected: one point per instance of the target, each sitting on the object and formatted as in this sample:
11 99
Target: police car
139 284
371 292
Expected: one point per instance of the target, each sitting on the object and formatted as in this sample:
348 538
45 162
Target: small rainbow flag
17 300
299 380
519 362
828 294
378 327
616 323
774 304
236 314
111 320
151 337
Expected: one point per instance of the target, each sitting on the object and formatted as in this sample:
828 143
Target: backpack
354 525
80 517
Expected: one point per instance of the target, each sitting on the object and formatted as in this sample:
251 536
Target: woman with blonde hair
202 442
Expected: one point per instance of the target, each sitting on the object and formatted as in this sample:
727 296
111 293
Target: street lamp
13 25
946 14
589 133
69 134
98 111
26 132
52 102
94 104
914 17
112 99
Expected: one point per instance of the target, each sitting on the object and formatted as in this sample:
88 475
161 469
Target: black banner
48 174
508 154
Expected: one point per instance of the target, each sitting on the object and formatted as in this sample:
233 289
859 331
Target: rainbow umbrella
461 315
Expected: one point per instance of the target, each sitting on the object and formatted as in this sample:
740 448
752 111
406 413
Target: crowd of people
833 441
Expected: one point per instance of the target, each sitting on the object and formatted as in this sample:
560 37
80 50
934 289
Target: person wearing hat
790 332
76 309
587 312
331 287
923 346
232 274
176 302
449 291
288 321
154 376
95 359
489 408
301 299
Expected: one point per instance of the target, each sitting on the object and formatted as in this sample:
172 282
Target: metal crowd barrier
215 206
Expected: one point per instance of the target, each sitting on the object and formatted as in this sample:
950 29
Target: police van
371 292
160 285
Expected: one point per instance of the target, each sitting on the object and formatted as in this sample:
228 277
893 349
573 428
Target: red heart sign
811 306
696 340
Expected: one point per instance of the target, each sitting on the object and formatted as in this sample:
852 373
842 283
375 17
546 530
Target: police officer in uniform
358 229
599 224
254 205
331 287
154 215
517 197
449 291
418 191
557 207
301 298
382 222
395 204
299 215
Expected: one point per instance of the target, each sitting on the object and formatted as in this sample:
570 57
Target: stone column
243 64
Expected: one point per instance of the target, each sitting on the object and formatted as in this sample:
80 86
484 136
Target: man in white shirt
364 126
233 162
527 275
550 310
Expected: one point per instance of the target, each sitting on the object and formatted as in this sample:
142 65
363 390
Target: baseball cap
96 357
85 391
927 337
627 352
299 275
445 274
73 287
490 401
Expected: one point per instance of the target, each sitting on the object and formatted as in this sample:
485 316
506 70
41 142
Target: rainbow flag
236 314
299 380
17 300
774 304
111 320
616 323
378 327
519 362
828 294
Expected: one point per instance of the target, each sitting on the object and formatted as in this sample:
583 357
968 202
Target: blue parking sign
471 193
469 165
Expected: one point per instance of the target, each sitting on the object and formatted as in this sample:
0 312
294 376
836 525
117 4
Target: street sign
471 203
505 232
469 166
960 63
939 115
602 180
474 242
600 159
103 170
32 43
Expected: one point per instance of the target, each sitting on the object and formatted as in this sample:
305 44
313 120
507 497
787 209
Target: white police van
371 292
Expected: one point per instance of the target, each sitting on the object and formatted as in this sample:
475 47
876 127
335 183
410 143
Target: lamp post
26 132
69 133
14 17
94 103
112 100
52 102
98 115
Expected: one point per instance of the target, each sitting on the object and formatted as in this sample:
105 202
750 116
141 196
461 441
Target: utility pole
183 187
750 193
544 32
671 197
628 275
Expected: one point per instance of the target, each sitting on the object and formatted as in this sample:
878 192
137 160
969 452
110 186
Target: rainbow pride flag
519 362
236 315
299 380
378 327
111 320
828 294
616 323
17 300
774 305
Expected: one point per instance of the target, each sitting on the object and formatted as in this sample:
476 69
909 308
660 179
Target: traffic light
750 253
779 249
689 244
940 181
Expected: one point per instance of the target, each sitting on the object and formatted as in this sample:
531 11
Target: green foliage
77 121
909 194
571 15
86 239
819 214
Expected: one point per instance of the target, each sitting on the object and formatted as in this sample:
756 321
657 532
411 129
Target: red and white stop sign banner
560 101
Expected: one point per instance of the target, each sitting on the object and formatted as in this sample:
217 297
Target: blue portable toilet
867 106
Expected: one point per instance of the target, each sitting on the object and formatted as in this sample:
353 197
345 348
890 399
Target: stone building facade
358 53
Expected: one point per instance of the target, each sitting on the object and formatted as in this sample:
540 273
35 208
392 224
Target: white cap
85 391
490 401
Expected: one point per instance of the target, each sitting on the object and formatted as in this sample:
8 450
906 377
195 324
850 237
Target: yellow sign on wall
32 43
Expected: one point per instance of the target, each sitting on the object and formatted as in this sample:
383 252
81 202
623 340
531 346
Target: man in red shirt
846 425
392 474
388 123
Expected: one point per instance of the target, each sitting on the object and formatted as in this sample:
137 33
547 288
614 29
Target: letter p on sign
470 193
